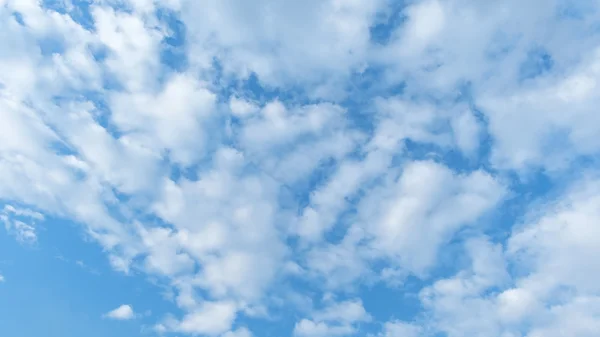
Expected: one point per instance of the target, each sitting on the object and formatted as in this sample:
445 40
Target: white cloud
2 279
548 123
458 305
308 328
241 107
211 318
558 248
338 266
241 332
163 256
123 313
20 222
426 20
236 236
467 132
278 127
133 47
555 295
411 218
533 123
400 329
336 319
314 42
170 120
347 311
25 233
398 120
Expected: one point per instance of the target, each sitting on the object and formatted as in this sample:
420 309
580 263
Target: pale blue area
537 63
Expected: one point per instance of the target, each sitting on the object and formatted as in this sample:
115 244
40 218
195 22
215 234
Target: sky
317 168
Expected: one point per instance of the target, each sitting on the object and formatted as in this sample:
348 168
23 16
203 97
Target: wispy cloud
21 223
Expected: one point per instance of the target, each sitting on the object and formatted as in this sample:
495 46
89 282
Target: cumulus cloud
431 195
209 318
265 39
123 313
336 319
241 332
555 293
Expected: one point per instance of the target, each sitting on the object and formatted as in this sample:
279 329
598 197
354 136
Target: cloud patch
122 313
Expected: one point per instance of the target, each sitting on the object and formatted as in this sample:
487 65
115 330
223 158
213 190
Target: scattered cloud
123 313
401 329
336 319
210 318
20 222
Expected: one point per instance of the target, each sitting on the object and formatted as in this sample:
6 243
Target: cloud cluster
251 155
551 294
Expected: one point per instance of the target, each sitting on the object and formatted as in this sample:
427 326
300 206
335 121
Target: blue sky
329 168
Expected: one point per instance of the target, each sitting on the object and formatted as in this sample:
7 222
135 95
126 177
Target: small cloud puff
123 313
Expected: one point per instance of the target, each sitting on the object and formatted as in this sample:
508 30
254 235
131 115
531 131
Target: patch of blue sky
18 17
173 53
51 45
575 9
388 302
63 287
538 62
178 172
255 89
387 21
363 88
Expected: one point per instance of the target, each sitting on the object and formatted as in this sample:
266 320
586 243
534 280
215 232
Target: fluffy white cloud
458 304
122 313
533 90
211 318
133 45
467 132
226 222
558 249
241 107
553 295
337 319
310 328
549 122
169 121
315 43
411 218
